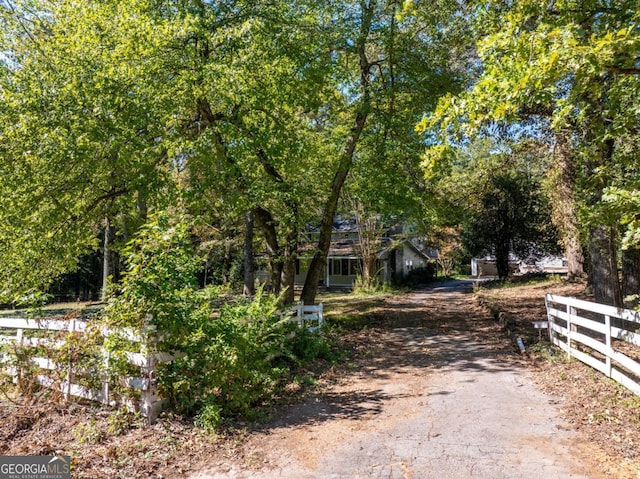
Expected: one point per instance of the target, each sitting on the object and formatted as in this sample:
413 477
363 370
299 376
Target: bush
232 360
375 286
418 276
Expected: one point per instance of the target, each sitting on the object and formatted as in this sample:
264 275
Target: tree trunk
319 260
310 289
369 246
289 268
288 279
369 241
276 265
267 223
502 261
564 206
604 271
107 263
631 277
369 271
575 256
141 204
248 288
602 238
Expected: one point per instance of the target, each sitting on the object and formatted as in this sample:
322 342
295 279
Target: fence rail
27 333
599 335
310 316
20 332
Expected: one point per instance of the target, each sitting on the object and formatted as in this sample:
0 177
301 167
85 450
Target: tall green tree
392 58
109 109
570 67
79 136
495 193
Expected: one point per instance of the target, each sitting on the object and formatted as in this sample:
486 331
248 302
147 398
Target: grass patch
351 310
70 309
530 279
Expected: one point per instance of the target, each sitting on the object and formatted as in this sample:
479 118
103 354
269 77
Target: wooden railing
604 337
20 332
310 316
28 333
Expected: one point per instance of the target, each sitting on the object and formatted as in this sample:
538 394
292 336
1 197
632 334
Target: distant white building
486 266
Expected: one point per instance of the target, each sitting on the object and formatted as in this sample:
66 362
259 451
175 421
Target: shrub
373 287
232 360
419 276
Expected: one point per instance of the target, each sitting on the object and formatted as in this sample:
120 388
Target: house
396 255
545 264
409 254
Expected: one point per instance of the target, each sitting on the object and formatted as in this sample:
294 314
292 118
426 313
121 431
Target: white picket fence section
310 316
593 333
19 331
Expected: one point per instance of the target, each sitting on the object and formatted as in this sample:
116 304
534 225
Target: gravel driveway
439 394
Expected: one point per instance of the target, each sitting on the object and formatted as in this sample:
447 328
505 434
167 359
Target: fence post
149 407
607 322
146 399
105 382
145 403
300 314
19 341
67 393
549 321
570 311
550 318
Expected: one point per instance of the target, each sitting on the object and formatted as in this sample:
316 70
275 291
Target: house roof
427 253
340 247
339 225
344 242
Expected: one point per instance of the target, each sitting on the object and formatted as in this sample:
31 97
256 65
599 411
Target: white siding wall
411 260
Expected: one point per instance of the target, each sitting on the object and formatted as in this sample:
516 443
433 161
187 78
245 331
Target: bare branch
623 71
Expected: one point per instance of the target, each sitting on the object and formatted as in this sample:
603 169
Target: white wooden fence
310 316
595 334
20 331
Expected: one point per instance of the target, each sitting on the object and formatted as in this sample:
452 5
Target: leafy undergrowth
603 411
103 444
114 443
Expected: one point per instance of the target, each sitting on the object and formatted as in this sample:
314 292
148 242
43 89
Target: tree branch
623 71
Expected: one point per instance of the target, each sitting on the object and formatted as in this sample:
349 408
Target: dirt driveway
438 393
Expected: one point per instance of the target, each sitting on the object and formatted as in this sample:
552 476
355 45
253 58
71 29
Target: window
354 267
344 271
344 267
335 267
